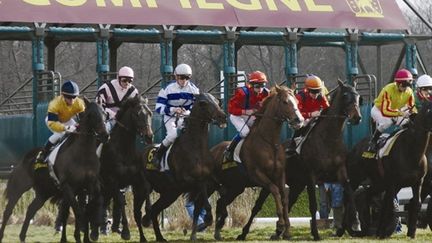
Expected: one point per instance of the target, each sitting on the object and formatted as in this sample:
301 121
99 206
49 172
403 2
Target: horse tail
21 179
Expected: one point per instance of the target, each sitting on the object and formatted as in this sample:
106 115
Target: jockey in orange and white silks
112 93
175 102
246 101
59 120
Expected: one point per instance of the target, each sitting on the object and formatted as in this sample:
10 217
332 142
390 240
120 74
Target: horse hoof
193 237
274 237
241 237
146 221
94 236
218 237
125 235
161 240
317 238
340 232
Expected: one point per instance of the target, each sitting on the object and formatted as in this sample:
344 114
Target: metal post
351 53
230 78
38 66
411 58
103 53
166 45
291 65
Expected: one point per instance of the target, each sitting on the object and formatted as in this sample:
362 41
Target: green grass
258 234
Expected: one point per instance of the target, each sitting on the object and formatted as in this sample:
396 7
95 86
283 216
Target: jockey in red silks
311 103
245 102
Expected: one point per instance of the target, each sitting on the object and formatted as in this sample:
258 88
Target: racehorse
403 166
190 163
263 159
76 168
119 167
322 155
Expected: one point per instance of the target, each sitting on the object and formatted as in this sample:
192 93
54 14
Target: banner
361 14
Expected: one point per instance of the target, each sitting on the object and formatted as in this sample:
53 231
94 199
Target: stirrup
39 162
228 156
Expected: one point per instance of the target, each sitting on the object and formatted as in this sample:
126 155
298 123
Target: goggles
71 97
126 79
405 84
183 77
258 85
314 91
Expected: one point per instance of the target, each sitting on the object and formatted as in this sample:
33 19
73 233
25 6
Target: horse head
92 121
135 116
350 101
286 107
209 110
424 118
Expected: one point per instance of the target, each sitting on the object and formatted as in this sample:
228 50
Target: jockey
59 119
246 101
424 90
112 93
311 102
175 102
394 105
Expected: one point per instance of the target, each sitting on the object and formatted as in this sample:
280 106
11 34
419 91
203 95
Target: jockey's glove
248 112
315 113
70 129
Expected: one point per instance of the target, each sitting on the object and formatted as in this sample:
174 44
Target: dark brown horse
76 167
119 167
263 159
322 155
404 166
190 162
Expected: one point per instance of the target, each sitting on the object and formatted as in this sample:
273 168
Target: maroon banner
362 14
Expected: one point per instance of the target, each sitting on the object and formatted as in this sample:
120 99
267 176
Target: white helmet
183 69
424 81
126 72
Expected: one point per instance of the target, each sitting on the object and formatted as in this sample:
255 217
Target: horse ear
86 101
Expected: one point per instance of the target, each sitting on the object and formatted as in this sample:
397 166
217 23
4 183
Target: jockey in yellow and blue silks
175 102
59 120
394 105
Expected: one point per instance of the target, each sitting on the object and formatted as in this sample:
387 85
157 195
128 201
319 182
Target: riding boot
373 143
292 148
157 156
40 158
229 152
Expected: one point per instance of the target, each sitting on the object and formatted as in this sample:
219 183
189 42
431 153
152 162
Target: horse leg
166 199
277 193
285 206
350 214
387 213
125 233
16 186
139 196
69 197
34 206
312 210
225 199
414 209
64 215
294 193
255 210
198 207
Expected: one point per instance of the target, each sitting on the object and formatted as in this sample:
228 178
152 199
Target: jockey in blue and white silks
174 102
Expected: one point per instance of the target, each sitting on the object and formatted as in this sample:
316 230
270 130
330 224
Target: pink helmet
126 72
403 75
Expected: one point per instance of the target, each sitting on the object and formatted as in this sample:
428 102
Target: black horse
322 156
190 162
76 167
119 167
405 165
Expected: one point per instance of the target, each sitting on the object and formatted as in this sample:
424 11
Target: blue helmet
70 88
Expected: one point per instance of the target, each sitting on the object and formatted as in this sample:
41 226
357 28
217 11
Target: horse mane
273 93
129 102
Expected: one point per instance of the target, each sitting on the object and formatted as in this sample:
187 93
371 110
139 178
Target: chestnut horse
263 158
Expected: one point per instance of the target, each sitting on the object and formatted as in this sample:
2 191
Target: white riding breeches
171 127
56 136
384 122
242 124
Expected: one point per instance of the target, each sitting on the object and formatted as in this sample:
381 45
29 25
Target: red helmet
403 75
313 82
257 77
